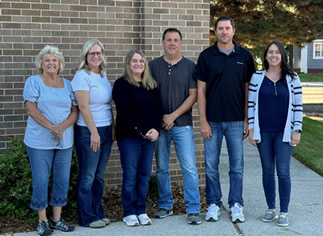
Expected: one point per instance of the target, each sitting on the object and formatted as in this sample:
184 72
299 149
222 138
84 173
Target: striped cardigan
295 106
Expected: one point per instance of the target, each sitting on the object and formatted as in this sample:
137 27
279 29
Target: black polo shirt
225 77
174 82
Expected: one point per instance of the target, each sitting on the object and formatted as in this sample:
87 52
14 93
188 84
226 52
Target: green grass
311 77
310 149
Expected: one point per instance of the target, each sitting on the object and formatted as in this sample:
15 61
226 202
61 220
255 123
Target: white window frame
319 41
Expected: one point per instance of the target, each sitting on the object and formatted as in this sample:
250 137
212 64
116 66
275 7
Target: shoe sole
63 230
268 221
238 220
211 219
283 225
195 222
133 225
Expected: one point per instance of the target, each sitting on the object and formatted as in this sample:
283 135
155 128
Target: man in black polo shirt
174 75
223 72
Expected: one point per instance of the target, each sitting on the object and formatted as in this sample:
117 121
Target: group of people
154 107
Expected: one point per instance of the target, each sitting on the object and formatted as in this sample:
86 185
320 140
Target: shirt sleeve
70 90
81 81
201 70
31 90
297 104
250 68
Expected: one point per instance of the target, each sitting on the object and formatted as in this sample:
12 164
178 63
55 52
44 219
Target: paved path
305 212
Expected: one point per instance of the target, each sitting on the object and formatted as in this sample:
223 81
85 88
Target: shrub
16 184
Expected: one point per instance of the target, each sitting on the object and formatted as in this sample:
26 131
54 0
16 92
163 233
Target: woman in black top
138 123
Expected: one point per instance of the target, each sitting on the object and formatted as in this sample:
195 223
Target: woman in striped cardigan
275 114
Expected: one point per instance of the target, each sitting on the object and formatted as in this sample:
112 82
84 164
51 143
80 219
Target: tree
292 22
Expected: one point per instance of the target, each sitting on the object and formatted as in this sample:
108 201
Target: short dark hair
172 30
222 18
286 70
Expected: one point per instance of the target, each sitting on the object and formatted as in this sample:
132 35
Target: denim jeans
274 152
233 133
184 143
136 159
42 162
91 171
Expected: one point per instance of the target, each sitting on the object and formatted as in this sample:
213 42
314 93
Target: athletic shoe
194 218
144 219
270 215
131 220
43 228
213 213
162 213
237 214
283 219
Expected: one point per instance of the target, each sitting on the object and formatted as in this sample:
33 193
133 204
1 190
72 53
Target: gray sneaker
283 219
194 218
43 228
162 213
61 225
270 215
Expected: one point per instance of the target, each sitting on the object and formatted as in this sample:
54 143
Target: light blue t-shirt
100 93
55 104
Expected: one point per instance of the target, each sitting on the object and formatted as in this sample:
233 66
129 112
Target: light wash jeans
43 163
233 133
184 143
274 152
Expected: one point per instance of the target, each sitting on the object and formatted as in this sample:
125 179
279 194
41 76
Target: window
318 49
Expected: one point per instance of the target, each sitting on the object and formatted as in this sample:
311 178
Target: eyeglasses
92 54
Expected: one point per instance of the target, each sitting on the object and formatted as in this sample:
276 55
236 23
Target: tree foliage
292 22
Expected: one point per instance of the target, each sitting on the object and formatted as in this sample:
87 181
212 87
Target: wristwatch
298 131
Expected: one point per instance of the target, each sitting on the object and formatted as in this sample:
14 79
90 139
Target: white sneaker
144 219
131 220
237 214
213 213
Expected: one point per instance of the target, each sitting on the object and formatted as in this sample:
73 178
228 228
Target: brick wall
27 25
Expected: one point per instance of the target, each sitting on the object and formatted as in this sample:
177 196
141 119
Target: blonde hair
49 50
85 50
147 80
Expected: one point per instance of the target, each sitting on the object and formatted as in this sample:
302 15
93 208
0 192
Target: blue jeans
91 171
136 159
233 133
273 151
184 143
42 162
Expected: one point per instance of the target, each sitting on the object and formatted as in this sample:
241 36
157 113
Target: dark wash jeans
136 159
275 154
91 171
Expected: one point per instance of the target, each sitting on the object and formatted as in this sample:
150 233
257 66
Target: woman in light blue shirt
93 133
52 113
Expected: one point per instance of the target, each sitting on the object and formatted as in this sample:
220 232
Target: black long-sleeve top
138 110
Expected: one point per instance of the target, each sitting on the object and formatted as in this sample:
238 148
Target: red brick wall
27 25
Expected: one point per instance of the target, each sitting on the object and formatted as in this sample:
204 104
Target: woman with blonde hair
93 132
52 111
137 128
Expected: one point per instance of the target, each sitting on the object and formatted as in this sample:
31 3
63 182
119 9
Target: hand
245 129
152 135
251 140
296 138
95 142
168 121
57 130
59 138
205 130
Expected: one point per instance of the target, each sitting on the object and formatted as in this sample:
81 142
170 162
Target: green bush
16 184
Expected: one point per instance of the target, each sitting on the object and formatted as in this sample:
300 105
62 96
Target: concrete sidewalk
305 211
